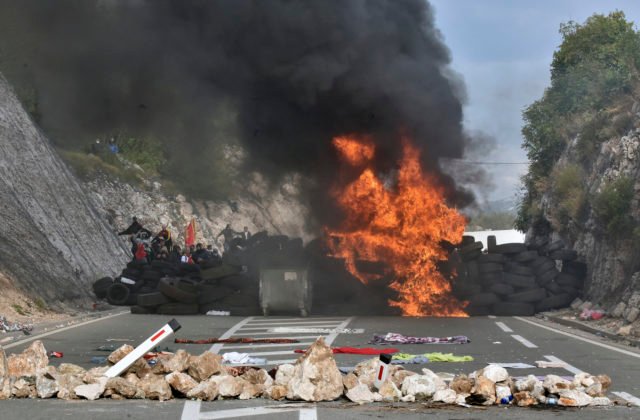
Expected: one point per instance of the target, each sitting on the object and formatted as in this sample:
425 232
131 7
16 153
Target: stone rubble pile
314 377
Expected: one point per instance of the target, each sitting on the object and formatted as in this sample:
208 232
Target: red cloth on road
357 350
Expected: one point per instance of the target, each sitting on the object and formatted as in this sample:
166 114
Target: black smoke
290 74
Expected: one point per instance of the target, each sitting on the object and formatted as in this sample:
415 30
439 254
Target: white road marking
297 337
257 346
524 341
577 337
298 330
294 320
331 337
567 366
304 413
48 333
504 327
191 410
216 347
491 316
628 397
269 327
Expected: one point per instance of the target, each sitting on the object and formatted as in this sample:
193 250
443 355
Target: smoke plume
290 75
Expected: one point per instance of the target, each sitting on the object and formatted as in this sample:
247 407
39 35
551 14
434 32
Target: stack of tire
516 279
181 289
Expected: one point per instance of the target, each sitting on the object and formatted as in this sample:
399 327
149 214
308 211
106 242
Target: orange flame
400 226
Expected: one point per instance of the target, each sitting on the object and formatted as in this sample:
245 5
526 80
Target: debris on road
395 338
56 354
356 350
236 358
431 357
236 340
516 365
8 326
313 377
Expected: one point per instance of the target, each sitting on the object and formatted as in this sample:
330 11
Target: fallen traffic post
155 339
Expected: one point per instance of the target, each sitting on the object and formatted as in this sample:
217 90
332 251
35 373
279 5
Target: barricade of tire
230 284
516 279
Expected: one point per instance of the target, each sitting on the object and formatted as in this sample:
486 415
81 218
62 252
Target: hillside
583 138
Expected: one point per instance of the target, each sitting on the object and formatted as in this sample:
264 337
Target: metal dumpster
285 289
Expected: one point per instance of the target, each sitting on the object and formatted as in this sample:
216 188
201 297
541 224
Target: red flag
190 233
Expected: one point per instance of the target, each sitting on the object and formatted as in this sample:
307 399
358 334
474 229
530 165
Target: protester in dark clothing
199 254
245 235
228 235
175 254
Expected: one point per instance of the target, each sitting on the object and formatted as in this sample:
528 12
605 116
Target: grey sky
503 49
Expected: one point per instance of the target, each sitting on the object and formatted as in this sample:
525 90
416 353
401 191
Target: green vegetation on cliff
594 73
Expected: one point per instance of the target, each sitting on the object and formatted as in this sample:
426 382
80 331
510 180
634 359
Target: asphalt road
493 340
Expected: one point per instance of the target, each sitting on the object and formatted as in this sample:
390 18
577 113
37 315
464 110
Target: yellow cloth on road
434 357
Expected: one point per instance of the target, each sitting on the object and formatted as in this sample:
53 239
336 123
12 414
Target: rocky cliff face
53 242
278 211
612 259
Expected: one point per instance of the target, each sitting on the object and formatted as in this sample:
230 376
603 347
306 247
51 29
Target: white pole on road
155 339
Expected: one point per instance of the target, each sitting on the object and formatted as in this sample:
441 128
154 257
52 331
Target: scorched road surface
493 340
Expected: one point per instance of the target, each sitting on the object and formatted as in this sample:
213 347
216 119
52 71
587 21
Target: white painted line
567 366
308 414
315 330
48 333
244 412
331 337
293 323
628 397
191 410
329 318
524 341
272 353
257 346
504 327
577 337
492 316
216 347
289 335
268 327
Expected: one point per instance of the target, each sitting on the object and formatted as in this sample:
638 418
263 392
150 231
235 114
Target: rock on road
493 340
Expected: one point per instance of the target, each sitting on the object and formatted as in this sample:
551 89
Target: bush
595 67
146 153
612 206
568 192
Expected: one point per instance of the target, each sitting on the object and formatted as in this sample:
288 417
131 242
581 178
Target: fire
402 226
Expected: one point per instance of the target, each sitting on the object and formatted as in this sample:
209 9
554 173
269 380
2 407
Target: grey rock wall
53 242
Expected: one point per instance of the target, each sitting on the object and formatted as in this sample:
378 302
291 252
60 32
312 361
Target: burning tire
529 296
177 308
118 294
101 286
513 309
169 287
152 299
